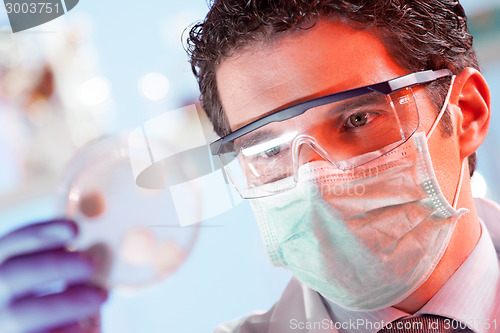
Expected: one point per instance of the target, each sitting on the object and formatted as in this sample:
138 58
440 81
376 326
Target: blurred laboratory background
108 68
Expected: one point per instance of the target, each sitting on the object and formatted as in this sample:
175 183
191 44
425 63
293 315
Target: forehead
330 57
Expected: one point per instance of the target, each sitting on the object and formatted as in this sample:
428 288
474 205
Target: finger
88 325
37 237
101 256
56 310
26 274
71 328
92 324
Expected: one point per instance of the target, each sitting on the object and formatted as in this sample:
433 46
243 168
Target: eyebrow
357 102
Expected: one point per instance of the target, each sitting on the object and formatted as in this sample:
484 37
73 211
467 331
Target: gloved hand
33 259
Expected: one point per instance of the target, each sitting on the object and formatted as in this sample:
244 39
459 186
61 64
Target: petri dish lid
137 230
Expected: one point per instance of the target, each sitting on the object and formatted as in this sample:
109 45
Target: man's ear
470 101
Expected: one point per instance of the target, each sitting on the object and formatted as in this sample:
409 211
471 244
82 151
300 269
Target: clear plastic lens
339 132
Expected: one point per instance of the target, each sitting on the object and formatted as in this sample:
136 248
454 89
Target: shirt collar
476 281
471 295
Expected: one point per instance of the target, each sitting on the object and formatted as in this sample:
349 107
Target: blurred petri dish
135 232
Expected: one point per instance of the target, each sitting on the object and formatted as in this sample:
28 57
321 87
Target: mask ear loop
433 127
459 186
443 109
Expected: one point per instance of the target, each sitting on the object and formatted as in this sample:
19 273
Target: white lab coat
299 304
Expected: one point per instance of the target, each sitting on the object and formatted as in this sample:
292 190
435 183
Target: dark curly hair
419 34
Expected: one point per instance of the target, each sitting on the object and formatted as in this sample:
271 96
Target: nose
307 150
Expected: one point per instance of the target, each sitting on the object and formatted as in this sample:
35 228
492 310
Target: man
331 113
352 127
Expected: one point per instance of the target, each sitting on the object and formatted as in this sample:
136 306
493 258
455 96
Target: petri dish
134 232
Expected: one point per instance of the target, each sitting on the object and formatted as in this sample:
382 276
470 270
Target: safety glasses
347 129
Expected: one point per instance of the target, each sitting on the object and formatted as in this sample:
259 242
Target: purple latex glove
43 287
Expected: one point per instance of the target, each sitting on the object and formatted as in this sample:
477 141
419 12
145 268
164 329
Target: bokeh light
154 86
479 185
94 91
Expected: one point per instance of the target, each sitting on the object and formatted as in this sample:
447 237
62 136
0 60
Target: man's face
328 58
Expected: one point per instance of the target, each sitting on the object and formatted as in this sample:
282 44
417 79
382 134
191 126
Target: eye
272 151
357 119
